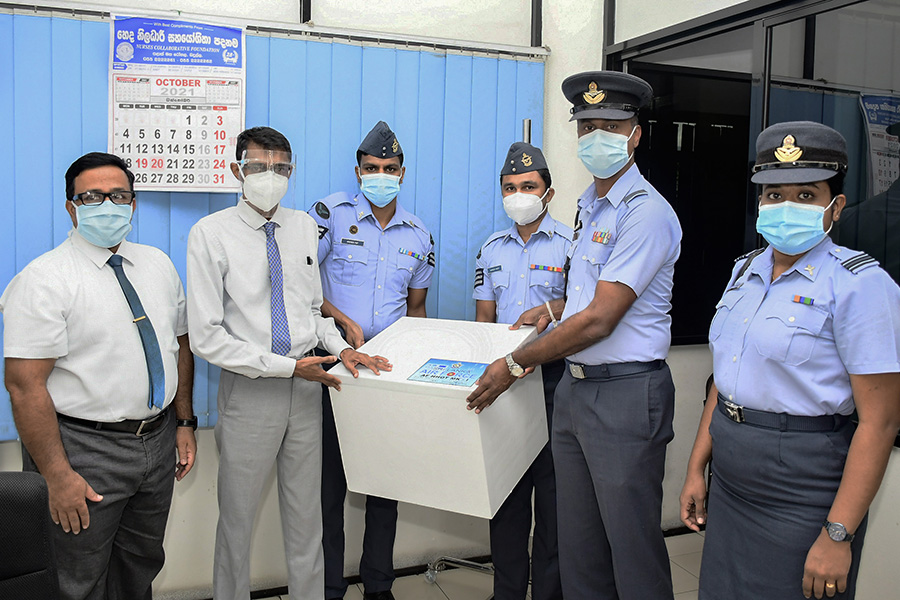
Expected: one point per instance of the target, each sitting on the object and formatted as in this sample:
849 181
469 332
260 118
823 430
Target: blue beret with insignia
799 152
523 158
381 142
606 95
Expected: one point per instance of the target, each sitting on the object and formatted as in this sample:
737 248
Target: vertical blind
455 115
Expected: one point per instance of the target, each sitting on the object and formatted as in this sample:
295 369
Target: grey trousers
770 493
263 422
120 554
609 449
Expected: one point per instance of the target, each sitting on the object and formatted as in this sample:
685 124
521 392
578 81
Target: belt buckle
735 411
140 430
577 371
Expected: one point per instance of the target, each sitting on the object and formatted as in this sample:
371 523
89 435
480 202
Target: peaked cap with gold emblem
799 152
381 142
606 95
523 158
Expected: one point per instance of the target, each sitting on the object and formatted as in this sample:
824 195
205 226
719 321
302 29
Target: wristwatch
838 532
515 369
192 422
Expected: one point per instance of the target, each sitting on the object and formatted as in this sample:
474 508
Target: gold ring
829 585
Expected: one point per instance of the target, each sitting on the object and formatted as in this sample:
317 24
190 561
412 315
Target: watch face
837 532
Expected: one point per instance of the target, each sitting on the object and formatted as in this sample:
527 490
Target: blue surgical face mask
105 224
604 153
380 188
792 228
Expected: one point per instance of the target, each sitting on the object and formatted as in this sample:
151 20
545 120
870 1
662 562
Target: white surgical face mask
524 208
265 190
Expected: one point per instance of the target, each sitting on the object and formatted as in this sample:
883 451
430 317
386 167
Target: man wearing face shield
806 332
614 406
254 307
516 269
377 260
100 375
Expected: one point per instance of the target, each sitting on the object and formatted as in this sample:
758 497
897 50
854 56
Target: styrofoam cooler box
415 441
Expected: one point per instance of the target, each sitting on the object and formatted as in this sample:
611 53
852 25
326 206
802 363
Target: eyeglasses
95 198
250 166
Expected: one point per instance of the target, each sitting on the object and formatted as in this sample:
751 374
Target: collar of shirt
255 220
547 227
98 255
364 209
807 265
617 192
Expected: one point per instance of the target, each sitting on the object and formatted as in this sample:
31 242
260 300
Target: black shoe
385 595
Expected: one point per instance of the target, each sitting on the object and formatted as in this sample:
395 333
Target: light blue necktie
281 332
148 336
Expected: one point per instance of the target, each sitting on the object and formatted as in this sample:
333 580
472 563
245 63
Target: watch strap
192 422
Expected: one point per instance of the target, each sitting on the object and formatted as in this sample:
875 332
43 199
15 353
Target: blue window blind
455 116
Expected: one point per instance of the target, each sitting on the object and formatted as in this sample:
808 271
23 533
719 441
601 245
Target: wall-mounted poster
879 113
176 94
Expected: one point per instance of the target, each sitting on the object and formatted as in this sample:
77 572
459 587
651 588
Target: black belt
780 421
612 370
135 426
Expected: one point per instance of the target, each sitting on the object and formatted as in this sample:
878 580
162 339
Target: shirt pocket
404 266
723 309
500 283
595 256
545 285
350 265
790 332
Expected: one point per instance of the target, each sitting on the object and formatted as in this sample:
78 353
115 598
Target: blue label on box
449 372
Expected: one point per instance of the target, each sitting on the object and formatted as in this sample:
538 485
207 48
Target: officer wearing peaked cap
614 406
376 261
806 332
518 268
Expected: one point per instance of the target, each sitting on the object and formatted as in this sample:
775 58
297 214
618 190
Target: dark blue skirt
769 495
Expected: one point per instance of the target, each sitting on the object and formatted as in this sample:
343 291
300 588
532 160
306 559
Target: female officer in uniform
805 332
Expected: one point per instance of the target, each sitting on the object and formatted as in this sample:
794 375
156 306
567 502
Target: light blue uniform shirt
367 271
518 275
790 345
631 236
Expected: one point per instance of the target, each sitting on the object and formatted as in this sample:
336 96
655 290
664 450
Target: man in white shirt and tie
254 298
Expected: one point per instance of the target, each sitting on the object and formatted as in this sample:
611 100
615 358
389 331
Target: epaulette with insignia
857 263
322 211
634 195
749 256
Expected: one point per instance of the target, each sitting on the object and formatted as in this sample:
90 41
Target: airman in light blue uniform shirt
367 270
520 275
512 275
376 261
632 236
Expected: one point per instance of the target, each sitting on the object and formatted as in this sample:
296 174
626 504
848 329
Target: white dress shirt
229 292
67 304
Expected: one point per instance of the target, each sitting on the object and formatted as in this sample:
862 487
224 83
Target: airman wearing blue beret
518 268
376 262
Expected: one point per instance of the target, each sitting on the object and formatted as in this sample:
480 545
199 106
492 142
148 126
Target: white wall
638 17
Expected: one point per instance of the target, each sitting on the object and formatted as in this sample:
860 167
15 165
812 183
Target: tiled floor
460 584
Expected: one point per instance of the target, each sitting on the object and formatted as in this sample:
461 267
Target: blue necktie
148 336
281 332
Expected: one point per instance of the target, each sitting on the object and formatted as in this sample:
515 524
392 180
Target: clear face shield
268 178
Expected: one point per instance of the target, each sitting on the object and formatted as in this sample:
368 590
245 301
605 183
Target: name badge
494 269
353 242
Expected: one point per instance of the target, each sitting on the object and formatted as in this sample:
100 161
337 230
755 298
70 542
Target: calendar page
879 113
176 96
